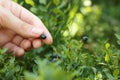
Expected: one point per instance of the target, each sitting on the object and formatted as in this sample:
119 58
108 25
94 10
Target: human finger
17 51
25 44
36 43
8 20
17 39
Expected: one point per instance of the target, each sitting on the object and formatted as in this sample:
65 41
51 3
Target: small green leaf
56 2
117 36
108 74
118 42
98 76
15 0
17 68
107 45
30 2
3 50
107 58
30 76
43 1
116 72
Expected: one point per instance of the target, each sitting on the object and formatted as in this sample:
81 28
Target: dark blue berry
84 38
55 56
43 36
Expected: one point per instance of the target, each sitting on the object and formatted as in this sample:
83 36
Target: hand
19 29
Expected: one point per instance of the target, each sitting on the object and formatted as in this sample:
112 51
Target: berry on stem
84 38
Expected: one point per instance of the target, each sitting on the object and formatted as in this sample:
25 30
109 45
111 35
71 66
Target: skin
20 29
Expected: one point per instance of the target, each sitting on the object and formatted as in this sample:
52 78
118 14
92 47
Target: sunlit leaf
116 72
30 2
107 45
56 2
15 0
107 58
98 76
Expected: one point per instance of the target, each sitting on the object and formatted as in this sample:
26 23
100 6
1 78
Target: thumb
8 20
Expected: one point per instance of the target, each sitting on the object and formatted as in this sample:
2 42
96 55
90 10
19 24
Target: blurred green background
70 57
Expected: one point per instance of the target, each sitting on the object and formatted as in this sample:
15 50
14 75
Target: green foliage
48 71
68 21
118 37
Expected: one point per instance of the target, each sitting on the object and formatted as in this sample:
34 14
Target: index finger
27 17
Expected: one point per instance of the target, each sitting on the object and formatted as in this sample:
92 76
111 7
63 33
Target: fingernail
37 31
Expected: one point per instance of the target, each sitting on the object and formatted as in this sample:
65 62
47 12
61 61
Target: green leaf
107 58
108 74
99 76
118 42
116 72
15 0
56 2
43 1
30 2
30 76
3 50
107 45
117 36
94 70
